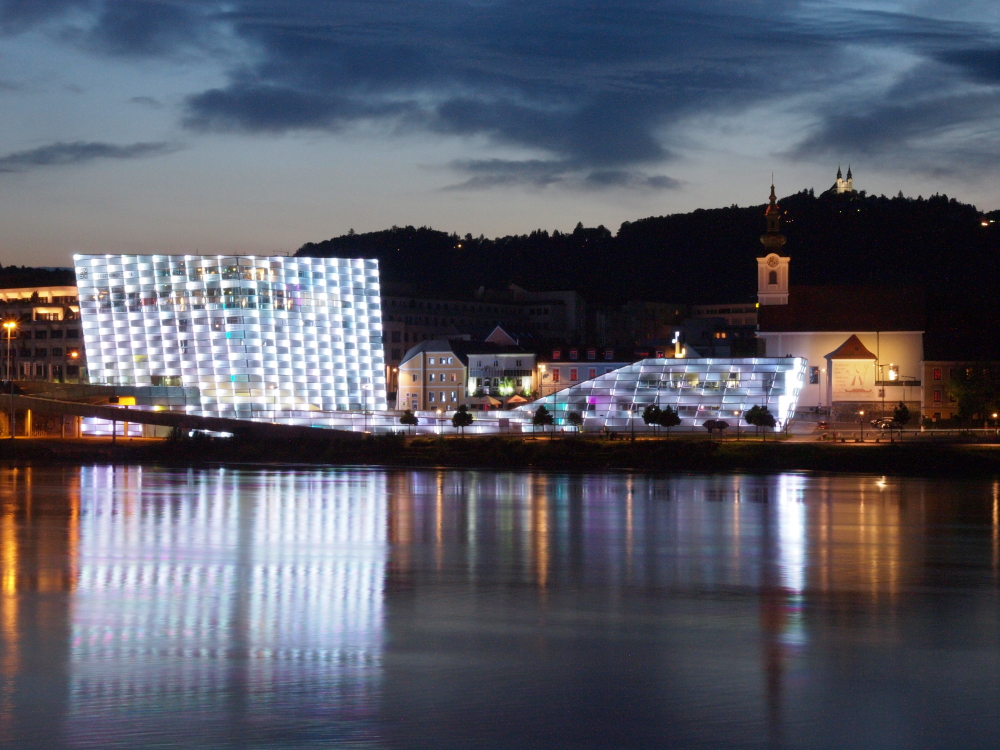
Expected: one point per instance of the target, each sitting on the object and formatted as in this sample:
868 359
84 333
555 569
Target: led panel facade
698 389
276 339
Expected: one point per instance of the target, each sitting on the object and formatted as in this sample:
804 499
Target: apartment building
45 342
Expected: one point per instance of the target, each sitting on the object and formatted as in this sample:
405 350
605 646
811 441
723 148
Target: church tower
842 185
772 269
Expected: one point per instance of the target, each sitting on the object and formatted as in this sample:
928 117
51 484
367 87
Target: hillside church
864 346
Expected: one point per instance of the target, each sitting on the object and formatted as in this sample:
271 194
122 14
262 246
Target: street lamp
365 387
10 325
439 421
861 419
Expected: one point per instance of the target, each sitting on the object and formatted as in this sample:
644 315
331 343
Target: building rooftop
845 308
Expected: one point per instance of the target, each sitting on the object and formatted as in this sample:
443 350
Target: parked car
824 425
885 424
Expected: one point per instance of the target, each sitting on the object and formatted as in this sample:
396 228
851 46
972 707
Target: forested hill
706 255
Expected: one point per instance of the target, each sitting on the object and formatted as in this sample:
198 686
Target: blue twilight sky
257 125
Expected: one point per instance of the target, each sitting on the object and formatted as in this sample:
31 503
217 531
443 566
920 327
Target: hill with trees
948 248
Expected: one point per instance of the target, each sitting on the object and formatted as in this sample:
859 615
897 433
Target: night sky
256 125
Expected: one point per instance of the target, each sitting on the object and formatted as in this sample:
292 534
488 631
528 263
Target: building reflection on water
240 601
350 606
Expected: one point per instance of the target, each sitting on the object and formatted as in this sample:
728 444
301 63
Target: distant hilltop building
843 185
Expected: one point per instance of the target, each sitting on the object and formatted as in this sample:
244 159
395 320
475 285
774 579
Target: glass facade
277 339
698 389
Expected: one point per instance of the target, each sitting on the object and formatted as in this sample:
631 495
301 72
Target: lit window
592 373
430 396
430 378
555 375
430 361
937 395
937 373
574 374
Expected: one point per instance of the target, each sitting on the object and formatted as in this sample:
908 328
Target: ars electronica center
299 341
277 339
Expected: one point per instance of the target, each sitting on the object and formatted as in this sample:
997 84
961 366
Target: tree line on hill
707 256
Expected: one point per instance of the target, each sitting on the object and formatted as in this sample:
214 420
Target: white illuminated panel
698 389
268 338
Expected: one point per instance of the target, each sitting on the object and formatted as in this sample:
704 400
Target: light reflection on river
373 608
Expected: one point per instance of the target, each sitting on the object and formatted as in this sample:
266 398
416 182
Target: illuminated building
45 342
277 339
697 389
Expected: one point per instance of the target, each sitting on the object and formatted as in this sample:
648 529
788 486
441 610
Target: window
813 375
555 375
592 373
41 353
396 337
557 354
57 351
430 361
56 334
453 378
454 396
609 354
937 373
430 378
772 278
937 395
517 363
414 377
430 396
574 374
574 354
591 354
442 397
41 334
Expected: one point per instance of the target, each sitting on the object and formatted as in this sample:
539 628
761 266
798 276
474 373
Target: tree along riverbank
575 454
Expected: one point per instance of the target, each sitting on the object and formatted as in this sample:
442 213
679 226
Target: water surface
367 608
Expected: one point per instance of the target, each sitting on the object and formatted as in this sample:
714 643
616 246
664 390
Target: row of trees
652 415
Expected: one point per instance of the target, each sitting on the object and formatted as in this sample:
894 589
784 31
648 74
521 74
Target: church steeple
774 239
840 175
772 269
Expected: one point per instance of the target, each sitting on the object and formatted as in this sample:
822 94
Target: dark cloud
146 101
143 28
62 154
981 65
18 15
540 173
928 121
603 87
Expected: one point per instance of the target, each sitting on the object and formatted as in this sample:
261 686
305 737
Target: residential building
46 344
503 372
409 319
571 365
734 313
937 402
431 376
280 339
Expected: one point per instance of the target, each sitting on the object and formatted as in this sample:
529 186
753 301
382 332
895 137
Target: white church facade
863 346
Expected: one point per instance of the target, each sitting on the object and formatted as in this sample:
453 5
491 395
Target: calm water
146 608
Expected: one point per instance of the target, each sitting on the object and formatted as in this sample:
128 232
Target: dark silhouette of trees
669 418
462 418
409 419
542 417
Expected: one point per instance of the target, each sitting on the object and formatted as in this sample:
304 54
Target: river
374 608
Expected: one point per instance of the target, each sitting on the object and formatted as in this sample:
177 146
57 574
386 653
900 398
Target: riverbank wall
569 454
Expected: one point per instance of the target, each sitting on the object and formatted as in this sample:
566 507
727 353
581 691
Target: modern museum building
278 339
